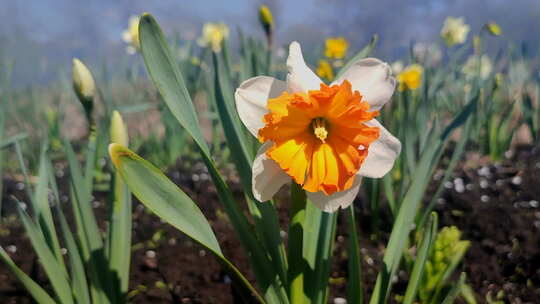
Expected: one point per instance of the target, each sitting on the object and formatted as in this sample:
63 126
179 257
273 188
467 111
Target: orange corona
320 139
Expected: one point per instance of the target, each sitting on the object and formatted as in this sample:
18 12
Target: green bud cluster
448 245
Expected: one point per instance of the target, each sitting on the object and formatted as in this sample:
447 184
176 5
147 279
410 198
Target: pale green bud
118 131
83 82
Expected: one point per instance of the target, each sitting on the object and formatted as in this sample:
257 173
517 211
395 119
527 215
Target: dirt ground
495 206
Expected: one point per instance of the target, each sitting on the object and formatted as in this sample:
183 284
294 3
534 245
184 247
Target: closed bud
84 85
118 131
493 28
266 18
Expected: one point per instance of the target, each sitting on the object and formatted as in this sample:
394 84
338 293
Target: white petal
382 153
330 203
300 78
252 97
373 79
267 176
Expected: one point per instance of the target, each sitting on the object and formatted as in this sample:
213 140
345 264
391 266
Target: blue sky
50 32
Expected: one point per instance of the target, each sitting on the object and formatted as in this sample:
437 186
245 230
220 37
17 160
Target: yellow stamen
319 129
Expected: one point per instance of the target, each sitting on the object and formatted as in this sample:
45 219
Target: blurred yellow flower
493 28
131 35
454 31
336 47
213 35
324 70
410 78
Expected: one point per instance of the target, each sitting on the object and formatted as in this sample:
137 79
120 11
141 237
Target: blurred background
41 36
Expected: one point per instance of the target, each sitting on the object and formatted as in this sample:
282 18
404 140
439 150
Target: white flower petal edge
381 154
267 176
300 78
330 203
251 99
373 79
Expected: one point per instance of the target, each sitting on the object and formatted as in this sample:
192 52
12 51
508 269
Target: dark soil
495 206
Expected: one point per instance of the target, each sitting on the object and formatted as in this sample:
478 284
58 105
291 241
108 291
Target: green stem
295 257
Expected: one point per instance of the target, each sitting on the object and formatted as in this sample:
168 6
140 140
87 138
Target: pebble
516 180
484 198
150 254
340 301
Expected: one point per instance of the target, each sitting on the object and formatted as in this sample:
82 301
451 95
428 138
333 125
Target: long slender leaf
38 293
430 233
166 76
55 273
170 203
355 290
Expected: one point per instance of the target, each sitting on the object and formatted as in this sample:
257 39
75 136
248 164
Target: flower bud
118 131
266 19
84 85
493 28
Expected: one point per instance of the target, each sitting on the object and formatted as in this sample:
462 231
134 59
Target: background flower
454 31
213 35
336 48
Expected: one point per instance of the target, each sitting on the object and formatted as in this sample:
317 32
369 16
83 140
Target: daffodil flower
322 137
131 35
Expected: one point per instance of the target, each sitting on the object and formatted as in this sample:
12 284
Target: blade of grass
430 233
355 291
57 277
38 293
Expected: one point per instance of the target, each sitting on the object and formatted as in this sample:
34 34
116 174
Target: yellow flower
213 35
493 28
325 70
322 137
410 78
336 47
454 31
131 35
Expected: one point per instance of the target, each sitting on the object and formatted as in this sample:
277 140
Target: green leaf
454 292
54 271
42 210
319 234
264 214
410 203
38 293
355 290
88 234
166 76
171 204
430 233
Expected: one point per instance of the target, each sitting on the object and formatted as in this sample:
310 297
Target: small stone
484 198
11 248
516 180
340 301
151 254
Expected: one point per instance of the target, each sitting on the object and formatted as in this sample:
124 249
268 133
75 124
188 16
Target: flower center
319 128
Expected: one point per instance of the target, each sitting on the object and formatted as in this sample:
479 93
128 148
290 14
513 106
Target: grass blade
355 290
57 277
38 293
430 233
